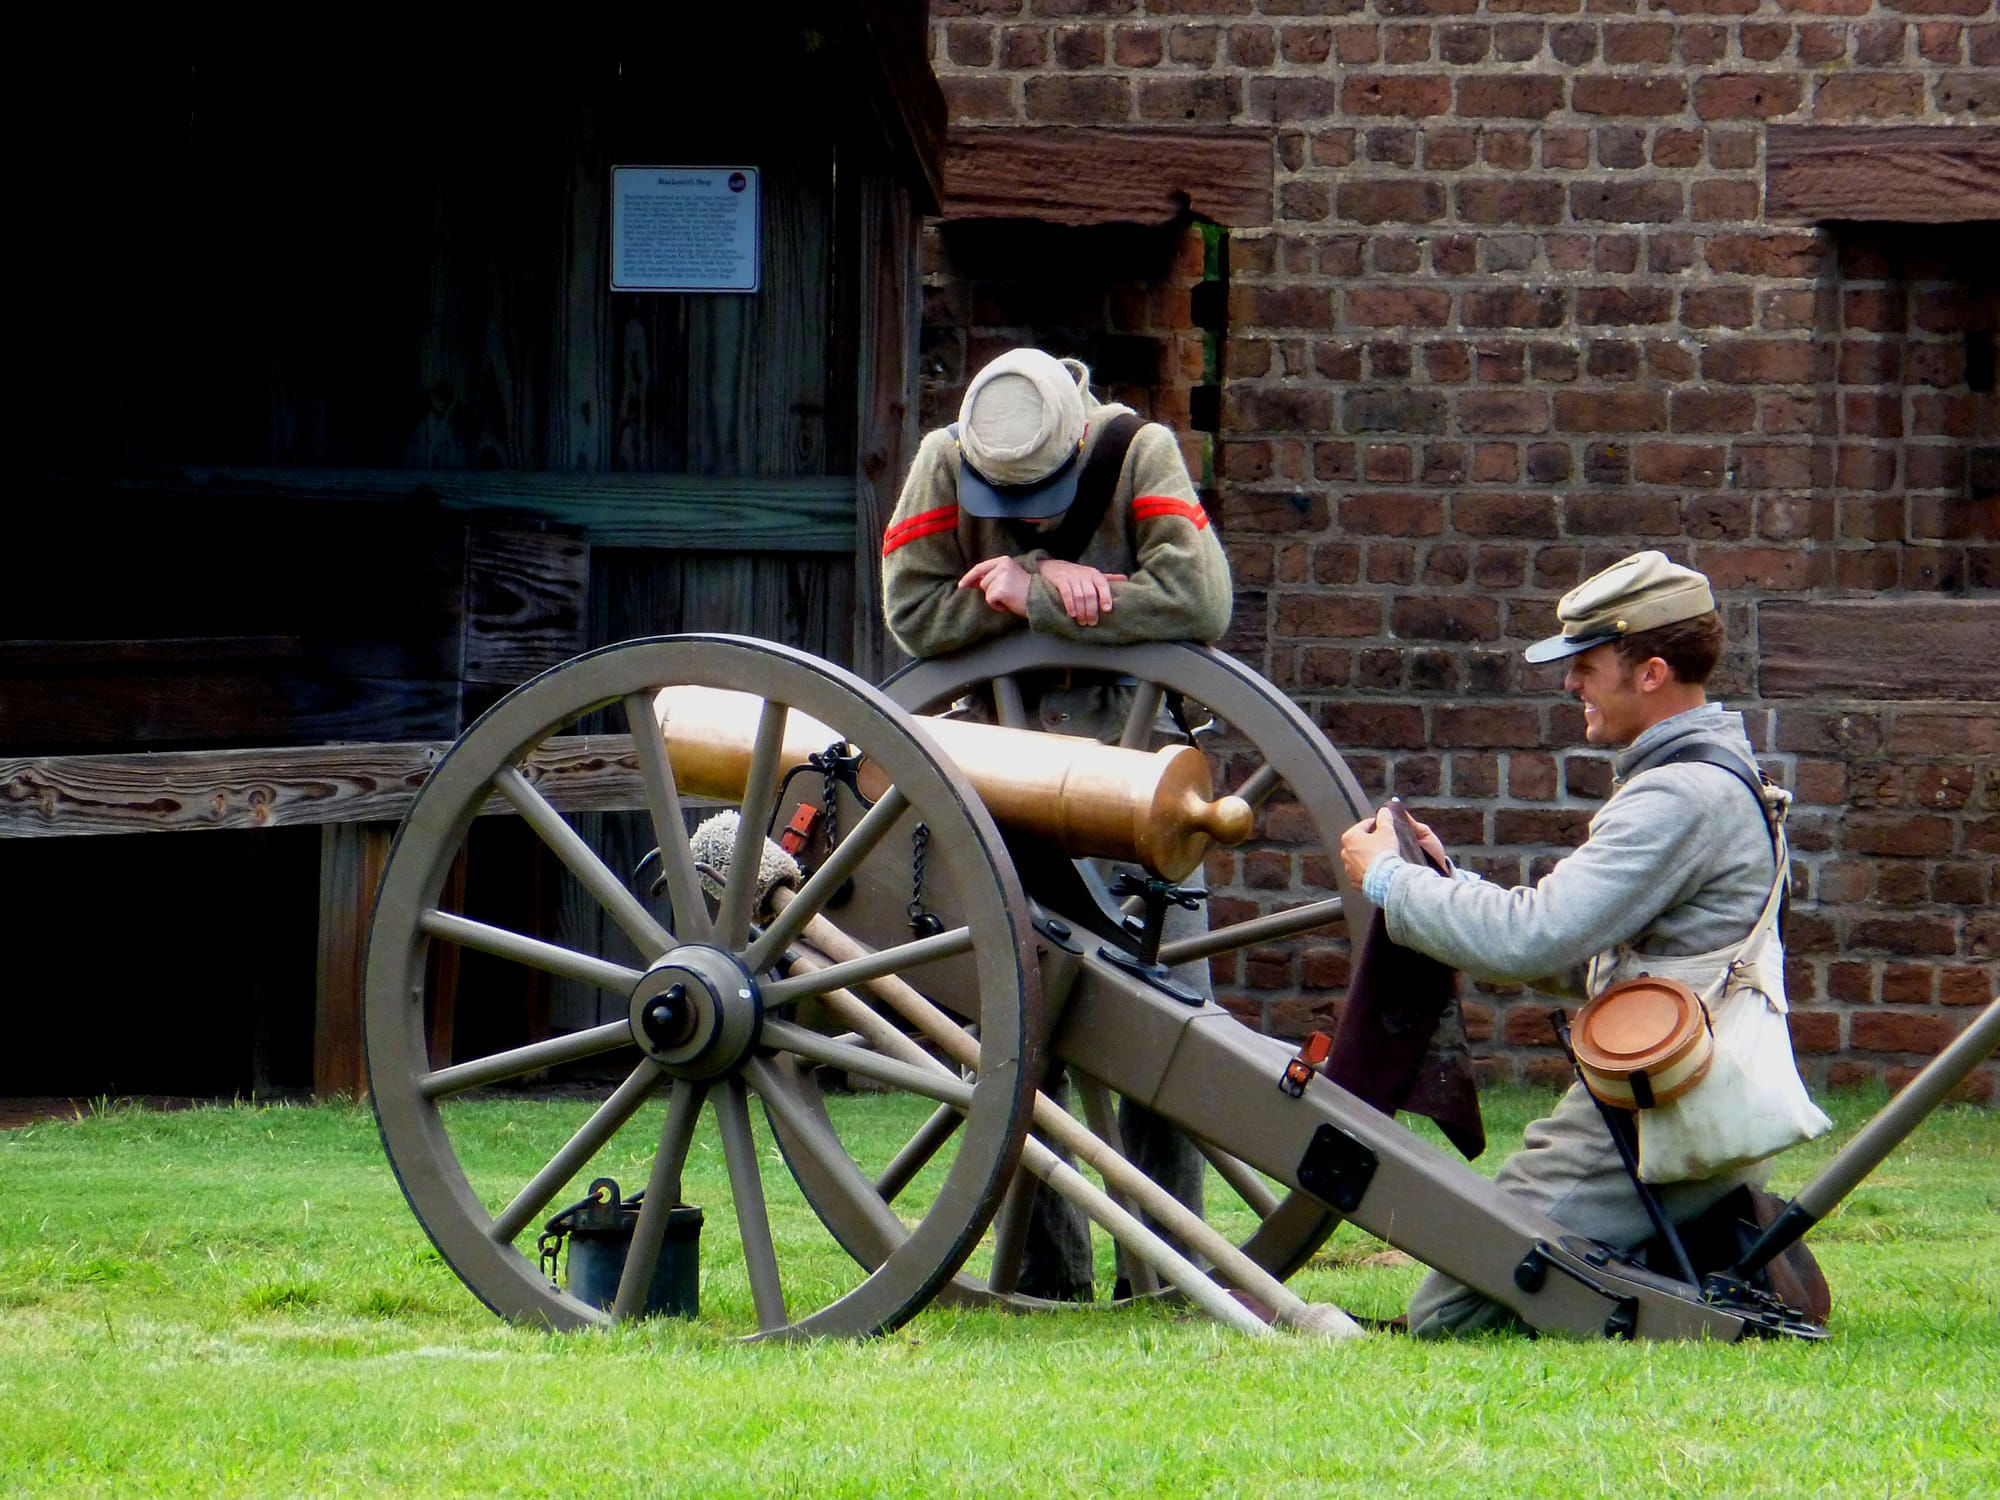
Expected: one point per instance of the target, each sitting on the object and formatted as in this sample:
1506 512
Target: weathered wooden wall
336 431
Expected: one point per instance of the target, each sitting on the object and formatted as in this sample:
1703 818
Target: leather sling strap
1701 753
1094 489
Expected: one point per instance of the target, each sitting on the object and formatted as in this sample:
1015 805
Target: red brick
1137 46
1405 201
1411 96
1763 361
1621 202
969 98
1532 96
1374 726
1446 618
1504 515
1621 305
1503 411
1621 515
1601 94
1965 987
1489 727
1638 42
1514 307
1212 100
1725 201
1566 827
1700 465
1700 410
1750 96
1391 515
1093 99
1814 1031
1969 732
1398 307
1868 96
1890 1031
1510 201
1610 411
1759 567
1328 616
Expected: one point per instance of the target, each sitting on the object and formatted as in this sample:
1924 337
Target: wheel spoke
1139 718
1259 785
519 1060
809 1133
933 1082
592 873
1007 705
1279 924
918 1151
830 876
1010 1231
566 1163
753 1220
550 958
663 1191
872 966
760 794
663 801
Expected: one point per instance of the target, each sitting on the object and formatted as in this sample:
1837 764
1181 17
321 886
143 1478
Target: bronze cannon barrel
1154 809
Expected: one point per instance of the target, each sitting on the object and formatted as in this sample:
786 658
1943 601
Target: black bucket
599 1231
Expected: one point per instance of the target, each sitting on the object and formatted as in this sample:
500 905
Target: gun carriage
977 904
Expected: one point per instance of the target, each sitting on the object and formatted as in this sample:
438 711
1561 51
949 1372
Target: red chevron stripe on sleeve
1149 507
926 523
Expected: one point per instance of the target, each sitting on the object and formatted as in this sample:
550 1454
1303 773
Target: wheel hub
697 1012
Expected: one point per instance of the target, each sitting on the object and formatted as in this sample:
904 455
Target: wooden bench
355 793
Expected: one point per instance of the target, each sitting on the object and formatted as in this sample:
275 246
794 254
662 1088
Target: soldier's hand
1003 581
1428 841
1085 592
1361 843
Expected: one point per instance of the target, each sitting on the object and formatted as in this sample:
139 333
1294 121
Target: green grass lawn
237 1301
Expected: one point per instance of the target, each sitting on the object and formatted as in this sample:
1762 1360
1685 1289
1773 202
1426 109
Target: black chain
923 923
829 761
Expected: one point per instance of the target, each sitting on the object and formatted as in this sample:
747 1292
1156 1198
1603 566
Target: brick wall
1520 310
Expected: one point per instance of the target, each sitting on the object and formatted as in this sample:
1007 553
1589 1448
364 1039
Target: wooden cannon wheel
707 1016
1269 752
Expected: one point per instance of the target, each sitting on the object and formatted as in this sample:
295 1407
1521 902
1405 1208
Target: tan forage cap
1640 592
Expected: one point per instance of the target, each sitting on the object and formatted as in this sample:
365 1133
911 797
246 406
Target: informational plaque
684 229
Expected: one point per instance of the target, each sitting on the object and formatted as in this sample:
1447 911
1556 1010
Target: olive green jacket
1154 531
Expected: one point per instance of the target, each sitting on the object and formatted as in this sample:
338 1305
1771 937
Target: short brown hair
1690 648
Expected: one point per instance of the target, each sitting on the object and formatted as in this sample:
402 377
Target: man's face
1614 708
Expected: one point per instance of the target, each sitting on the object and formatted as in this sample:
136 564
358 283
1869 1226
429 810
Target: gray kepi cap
1640 592
1020 433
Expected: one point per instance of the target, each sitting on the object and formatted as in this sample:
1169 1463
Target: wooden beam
1904 174
62 796
1878 649
684 512
892 38
1110 176
352 858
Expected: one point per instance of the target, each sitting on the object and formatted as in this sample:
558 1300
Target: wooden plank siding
337 432
1903 174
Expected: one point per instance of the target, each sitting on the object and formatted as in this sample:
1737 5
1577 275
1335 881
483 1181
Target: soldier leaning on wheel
1677 869
1045 509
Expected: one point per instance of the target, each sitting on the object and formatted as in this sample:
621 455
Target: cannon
974 906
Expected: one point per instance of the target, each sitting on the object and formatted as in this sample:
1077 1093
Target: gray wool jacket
1679 861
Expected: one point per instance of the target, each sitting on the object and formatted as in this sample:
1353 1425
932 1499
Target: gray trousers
1568 1167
